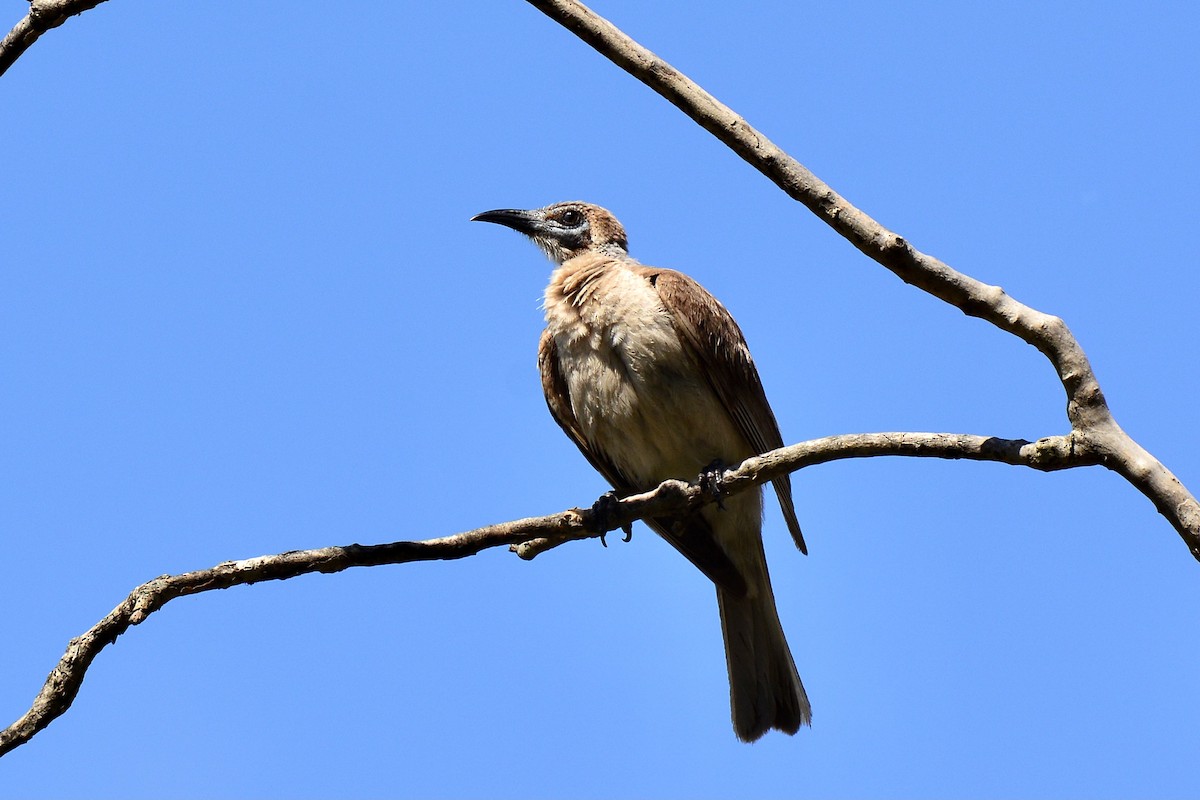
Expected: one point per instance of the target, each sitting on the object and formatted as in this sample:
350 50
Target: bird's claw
710 481
603 511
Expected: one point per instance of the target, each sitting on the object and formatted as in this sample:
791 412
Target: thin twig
63 684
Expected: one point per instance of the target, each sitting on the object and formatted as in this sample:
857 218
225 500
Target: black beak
522 221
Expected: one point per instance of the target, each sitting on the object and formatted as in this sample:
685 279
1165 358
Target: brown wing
690 535
718 344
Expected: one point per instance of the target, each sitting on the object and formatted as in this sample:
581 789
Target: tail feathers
765 691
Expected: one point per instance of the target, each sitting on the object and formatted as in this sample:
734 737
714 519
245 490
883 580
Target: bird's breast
636 390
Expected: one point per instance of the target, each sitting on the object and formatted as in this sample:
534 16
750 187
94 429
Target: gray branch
1091 421
528 537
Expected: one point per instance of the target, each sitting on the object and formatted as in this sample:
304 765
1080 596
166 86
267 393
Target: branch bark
1088 413
43 15
527 537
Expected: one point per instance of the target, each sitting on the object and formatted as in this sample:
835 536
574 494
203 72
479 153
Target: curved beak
522 221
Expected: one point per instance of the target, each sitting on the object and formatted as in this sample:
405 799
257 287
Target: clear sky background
242 311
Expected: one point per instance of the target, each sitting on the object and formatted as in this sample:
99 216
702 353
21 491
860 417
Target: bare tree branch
1050 454
1091 421
63 684
1095 438
528 537
43 15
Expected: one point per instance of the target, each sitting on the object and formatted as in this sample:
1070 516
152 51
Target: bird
651 378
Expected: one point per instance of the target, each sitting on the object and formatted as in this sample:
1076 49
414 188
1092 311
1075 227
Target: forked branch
1094 438
1091 421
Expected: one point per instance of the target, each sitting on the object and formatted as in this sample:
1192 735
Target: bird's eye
571 218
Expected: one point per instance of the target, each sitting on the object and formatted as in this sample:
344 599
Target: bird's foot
603 511
710 481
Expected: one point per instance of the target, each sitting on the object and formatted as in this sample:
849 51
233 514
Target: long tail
764 687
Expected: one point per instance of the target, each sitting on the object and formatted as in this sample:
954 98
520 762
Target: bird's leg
710 481
603 511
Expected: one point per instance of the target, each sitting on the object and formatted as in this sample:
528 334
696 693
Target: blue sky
243 311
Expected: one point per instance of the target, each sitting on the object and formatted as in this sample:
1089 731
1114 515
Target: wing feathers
720 348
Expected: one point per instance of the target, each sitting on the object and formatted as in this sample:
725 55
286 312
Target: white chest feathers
637 391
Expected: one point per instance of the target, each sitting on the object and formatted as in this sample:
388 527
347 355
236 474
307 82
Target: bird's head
564 230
